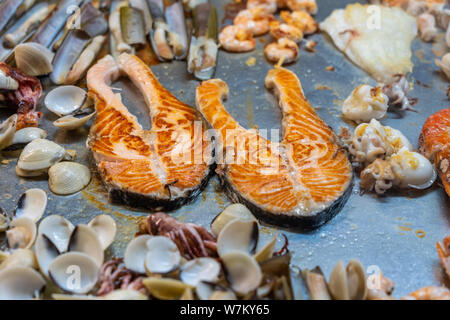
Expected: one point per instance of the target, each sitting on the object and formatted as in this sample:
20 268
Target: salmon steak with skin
434 143
161 168
301 182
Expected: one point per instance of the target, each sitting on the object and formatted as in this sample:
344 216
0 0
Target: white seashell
200 269
135 253
31 204
348 283
266 252
62 296
25 136
65 100
165 288
444 64
84 239
447 36
125 294
74 272
22 233
33 59
7 130
20 283
316 284
238 235
31 173
241 271
105 227
7 83
73 122
40 154
162 255
68 177
46 251
233 211
20 258
58 230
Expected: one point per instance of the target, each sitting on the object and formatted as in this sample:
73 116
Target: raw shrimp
308 5
254 20
429 293
283 51
269 6
300 19
236 39
283 30
444 254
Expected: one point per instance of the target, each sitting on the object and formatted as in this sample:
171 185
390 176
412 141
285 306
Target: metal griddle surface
396 233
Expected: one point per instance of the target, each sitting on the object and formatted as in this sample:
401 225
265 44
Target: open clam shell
84 239
31 204
58 230
266 252
74 121
105 227
165 288
22 233
20 283
348 283
7 131
68 177
46 252
22 137
74 272
20 258
241 271
33 59
200 269
238 235
65 100
162 255
135 253
233 211
316 284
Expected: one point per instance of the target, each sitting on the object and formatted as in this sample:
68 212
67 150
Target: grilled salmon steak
162 168
434 143
301 182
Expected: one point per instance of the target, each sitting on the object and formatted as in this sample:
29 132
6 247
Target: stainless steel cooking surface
396 233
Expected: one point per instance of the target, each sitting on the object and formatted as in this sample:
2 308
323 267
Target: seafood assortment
60 61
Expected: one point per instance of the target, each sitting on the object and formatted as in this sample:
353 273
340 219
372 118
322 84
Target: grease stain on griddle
420 233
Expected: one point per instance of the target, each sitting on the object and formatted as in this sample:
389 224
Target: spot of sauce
404 228
322 87
419 55
420 233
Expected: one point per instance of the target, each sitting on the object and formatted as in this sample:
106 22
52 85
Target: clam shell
162 255
24 136
31 204
238 235
20 283
266 252
84 239
200 269
165 288
46 252
4 220
105 227
316 284
33 59
233 211
135 253
74 272
71 122
241 271
348 283
40 154
125 294
7 131
58 230
68 177
65 100
22 233
20 258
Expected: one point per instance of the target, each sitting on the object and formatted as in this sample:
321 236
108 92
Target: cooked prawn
444 254
269 6
236 39
309 6
429 293
283 30
283 51
300 19
254 20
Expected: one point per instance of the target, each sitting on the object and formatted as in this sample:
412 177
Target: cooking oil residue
420 233
420 56
248 102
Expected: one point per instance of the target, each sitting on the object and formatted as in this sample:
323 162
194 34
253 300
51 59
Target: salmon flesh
162 168
301 182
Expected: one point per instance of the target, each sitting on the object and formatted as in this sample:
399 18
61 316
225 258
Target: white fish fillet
376 38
